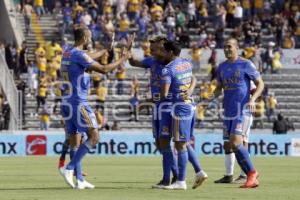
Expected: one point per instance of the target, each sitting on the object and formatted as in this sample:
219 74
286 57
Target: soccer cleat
178 185
68 176
84 185
160 185
252 181
61 171
225 179
240 180
200 177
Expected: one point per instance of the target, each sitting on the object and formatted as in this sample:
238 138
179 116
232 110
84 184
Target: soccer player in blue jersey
78 115
177 79
234 76
161 128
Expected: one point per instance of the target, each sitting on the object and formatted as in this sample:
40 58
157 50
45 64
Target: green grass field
122 178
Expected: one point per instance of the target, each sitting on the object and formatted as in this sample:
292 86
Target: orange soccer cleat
252 181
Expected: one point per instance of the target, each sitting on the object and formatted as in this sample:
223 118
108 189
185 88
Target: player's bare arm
95 66
259 89
96 55
191 89
165 90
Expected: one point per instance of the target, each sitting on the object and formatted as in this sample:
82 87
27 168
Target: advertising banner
142 144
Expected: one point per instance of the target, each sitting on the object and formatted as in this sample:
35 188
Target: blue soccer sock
182 162
243 158
76 160
174 167
168 162
193 158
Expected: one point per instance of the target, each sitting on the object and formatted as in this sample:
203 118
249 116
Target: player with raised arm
176 79
161 128
78 115
234 76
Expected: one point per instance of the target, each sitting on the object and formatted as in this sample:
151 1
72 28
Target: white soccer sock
229 163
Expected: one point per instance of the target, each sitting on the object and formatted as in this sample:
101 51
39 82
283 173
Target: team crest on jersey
165 131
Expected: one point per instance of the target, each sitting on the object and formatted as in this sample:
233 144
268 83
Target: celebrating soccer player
234 76
78 115
177 79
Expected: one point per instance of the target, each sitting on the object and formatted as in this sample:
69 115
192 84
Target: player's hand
252 106
130 41
186 94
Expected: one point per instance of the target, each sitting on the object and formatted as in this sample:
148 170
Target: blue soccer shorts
79 118
238 126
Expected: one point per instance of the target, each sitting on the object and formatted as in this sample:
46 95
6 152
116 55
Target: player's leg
200 175
241 152
62 158
229 155
246 133
163 137
181 135
86 122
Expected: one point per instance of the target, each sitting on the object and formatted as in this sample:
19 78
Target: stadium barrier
126 143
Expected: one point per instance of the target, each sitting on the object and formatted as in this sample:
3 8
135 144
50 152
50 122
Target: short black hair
173 46
158 39
79 33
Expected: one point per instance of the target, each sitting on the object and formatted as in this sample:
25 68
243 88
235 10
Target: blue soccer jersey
78 115
161 116
155 67
235 79
178 74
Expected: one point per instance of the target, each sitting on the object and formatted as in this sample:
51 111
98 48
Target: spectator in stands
102 121
120 75
42 92
191 11
9 57
267 56
6 114
143 23
23 58
259 113
39 51
39 8
86 18
200 115
21 87
288 41
124 25
276 64
230 7
51 48
67 18
196 53
115 126
182 37
134 99
271 106
238 14
27 12
280 126
32 77
133 8
101 92
297 33
58 96
45 118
